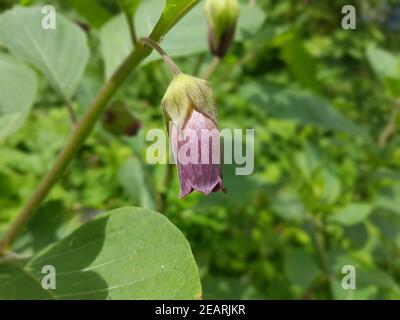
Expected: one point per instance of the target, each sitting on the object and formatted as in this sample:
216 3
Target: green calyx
222 16
184 94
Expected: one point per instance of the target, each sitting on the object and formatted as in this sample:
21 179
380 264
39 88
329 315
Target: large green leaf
129 253
51 222
116 43
297 105
60 54
18 85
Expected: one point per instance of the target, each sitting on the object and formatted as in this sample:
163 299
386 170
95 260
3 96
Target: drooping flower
222 16
189 111
189 106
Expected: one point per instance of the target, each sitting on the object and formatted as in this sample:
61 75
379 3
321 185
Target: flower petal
198 155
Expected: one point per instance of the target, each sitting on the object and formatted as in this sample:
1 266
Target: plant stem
129 15
73 144
72 114
167 59
131 27
390 127
212 67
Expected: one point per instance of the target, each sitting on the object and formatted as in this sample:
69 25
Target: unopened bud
222 16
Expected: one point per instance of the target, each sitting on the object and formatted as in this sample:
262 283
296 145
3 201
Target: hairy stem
74 142
167 59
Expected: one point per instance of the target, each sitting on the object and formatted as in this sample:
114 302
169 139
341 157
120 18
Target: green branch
166 58
131 27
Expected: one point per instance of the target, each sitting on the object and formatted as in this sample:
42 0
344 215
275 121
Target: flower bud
222 16
189 104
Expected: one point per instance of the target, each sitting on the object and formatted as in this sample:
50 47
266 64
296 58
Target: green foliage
161 257
386 67
297 105
300 62
173 11
129 6
131 175
352 214
18 85
324 193
23 35
116 42
301 268
92 11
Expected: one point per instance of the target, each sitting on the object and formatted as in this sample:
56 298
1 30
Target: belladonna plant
190 114
195 110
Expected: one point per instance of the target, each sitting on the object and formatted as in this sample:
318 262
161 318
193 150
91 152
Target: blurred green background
325 192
